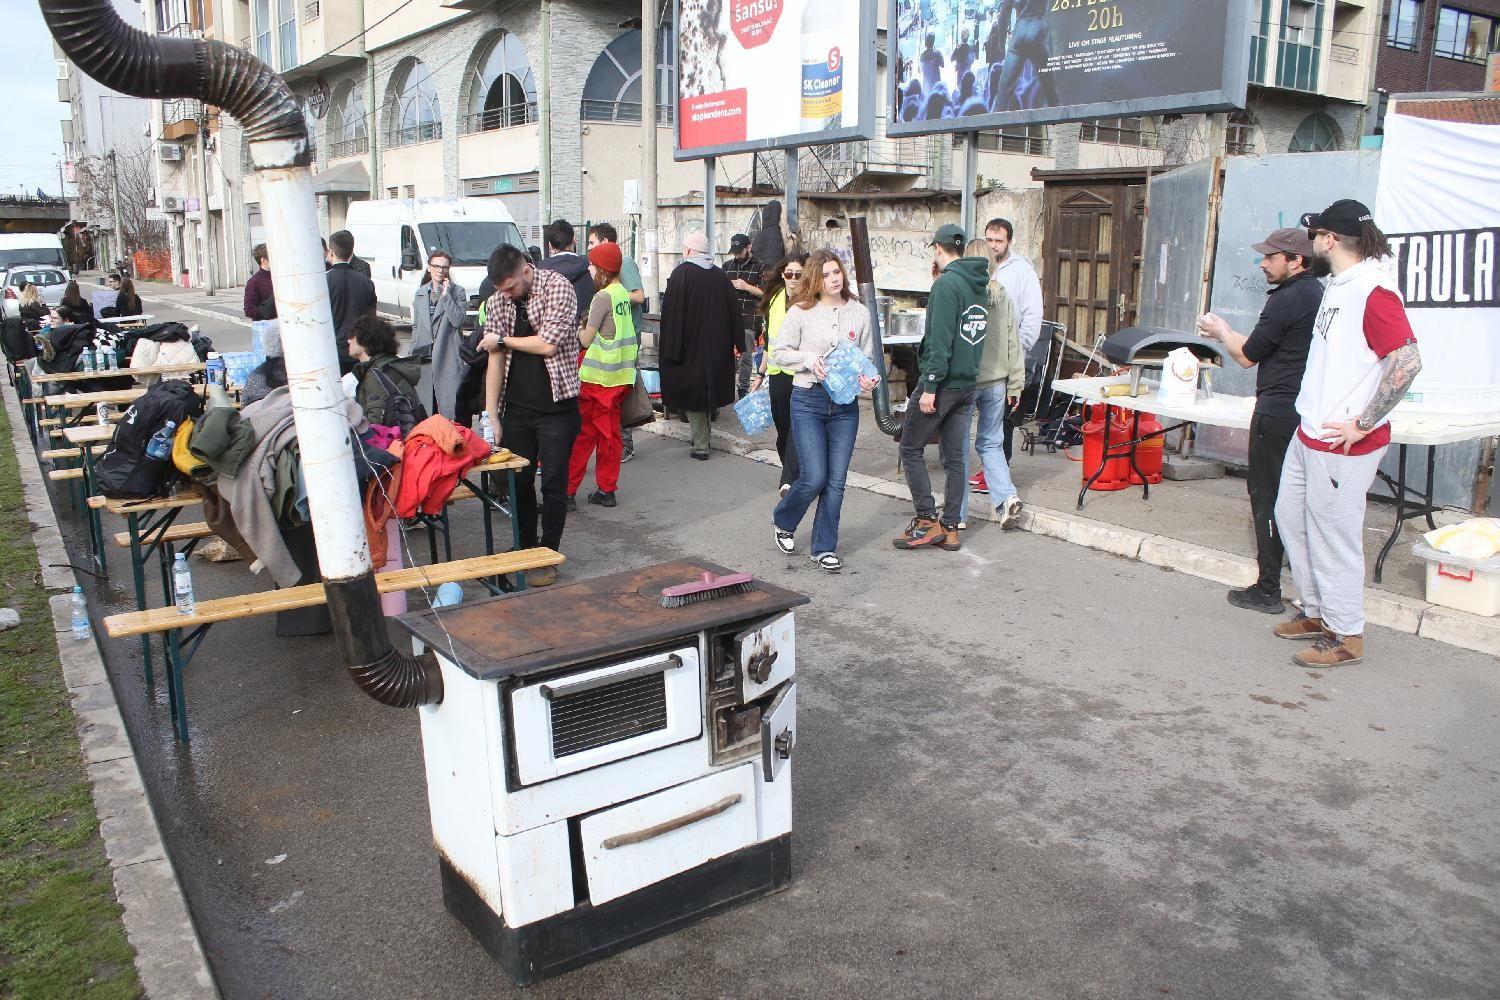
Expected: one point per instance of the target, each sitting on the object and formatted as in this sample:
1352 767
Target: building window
1240 135
1119 132
612 90
1316 134
1403 24
347 130
417 118
1461 35
263 31
286 33
502 91
1030 140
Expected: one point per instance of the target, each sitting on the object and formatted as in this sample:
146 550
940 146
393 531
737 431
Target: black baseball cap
1344 217
738 242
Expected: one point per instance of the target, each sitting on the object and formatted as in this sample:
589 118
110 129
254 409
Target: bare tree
137 193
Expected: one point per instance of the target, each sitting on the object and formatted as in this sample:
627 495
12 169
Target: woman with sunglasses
779 284
823 314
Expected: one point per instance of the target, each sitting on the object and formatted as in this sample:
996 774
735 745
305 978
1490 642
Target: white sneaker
786 488
829 562
1010 514
786 541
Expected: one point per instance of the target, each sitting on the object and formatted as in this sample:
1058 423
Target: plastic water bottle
214 369
103 410
182 584
160 445
86 359
487 430
81 630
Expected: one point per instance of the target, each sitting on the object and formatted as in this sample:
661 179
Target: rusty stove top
536 630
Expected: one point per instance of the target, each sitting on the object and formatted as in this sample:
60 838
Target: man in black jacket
351 295
564 259
1279 345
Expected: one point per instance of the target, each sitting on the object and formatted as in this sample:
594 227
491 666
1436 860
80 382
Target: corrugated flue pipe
864 276
133 62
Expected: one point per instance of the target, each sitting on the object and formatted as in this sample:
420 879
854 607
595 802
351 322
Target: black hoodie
576 270
767 246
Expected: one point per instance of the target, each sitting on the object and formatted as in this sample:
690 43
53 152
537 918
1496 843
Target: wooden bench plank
176 533
59 475
58 453
123 507
34 401
266 602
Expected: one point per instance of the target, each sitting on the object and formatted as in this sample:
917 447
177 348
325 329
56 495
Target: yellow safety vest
775 313
612 362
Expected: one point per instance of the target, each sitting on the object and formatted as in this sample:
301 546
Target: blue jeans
824 433
989 443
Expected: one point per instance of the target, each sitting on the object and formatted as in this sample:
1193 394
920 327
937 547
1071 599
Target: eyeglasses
793 275
438 267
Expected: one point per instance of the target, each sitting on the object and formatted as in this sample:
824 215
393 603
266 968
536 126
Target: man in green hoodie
943 400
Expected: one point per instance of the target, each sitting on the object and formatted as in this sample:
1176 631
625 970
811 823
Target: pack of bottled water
754 411
846 363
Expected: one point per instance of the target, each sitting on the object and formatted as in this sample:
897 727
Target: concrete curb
169 956
1382 607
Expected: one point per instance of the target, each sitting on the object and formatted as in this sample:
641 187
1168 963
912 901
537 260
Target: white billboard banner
765 74
1438 201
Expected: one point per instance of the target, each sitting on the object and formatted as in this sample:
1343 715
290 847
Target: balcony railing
509 116
182 29
429 132
184 110
349 147
621 111
1117 135
312 10
1017 141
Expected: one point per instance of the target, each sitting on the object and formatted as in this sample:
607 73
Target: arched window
416 117
612 91
1241 135
1316 134
347 131
502 92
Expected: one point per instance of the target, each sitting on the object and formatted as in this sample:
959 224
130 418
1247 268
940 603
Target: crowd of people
994 64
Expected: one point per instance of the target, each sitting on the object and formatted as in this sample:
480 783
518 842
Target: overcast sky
28 103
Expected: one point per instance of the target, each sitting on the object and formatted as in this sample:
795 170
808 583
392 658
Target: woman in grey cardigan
437 320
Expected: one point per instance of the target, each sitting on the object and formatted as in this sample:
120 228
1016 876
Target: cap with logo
738 242
1286 241
950 236
1344 217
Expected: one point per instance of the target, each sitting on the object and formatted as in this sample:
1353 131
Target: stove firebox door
766 655
778 732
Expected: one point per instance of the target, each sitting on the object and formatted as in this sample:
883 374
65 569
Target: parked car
50 281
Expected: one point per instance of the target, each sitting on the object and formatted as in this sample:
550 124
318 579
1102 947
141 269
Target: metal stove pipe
864 277
128 60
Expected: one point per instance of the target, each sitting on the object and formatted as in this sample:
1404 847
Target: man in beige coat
1002 376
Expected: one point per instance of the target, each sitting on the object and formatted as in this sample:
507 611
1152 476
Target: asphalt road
1024 770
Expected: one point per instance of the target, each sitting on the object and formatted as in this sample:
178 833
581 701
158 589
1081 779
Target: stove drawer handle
561 689
652 832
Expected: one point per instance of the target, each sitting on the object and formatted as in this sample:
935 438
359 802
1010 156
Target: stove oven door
767 656
597 716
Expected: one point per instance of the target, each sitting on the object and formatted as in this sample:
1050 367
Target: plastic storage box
1457 582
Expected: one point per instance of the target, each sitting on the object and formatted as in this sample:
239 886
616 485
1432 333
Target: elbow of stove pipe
390 677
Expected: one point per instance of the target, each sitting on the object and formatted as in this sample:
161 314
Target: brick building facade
1407 64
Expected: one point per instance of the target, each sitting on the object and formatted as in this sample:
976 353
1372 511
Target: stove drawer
643 842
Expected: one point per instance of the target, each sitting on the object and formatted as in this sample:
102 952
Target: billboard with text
979 64
768 74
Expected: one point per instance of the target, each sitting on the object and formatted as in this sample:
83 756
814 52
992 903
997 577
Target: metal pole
544 114
645 249
205 216
792 195
114 189
971 180
710 195
864 275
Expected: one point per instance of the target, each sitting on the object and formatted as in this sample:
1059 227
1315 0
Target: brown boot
1332 651
1301 627
950 542
921 533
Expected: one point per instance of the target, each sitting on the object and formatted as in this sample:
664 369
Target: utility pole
646 251
205 217
544 116
114 190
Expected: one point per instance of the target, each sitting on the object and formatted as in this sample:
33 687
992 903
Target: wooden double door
1091 250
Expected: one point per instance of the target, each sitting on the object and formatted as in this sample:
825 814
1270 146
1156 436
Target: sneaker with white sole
786 541
785 489
1010 514
829 561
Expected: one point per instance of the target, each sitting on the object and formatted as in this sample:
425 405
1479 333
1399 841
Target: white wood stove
601 769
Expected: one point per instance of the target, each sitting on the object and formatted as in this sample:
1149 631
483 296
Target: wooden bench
60 475
58 454
182 647
175 533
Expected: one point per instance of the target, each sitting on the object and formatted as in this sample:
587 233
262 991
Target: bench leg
515 522
175 693
138 575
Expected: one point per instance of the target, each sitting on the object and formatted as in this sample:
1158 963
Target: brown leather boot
950 542
1301 627
1332 651
921 533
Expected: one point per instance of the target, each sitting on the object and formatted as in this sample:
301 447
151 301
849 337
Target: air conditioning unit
145 128
170 204
170 152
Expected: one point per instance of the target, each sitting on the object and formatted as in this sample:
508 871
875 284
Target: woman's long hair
72 296
808 292
979 248
776 280
31 297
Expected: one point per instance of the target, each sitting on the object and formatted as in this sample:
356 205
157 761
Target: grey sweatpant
1320 512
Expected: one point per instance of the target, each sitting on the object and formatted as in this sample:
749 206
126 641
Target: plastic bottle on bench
182 585
160 445
487 430
80 609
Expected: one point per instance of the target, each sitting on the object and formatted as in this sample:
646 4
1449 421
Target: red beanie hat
607 256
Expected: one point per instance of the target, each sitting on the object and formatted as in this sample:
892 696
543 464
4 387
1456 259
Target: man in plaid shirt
531 387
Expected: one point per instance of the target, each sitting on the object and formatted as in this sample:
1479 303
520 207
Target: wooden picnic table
89 434
114 397
42 378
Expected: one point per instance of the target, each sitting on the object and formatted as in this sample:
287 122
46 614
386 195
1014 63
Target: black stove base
588 933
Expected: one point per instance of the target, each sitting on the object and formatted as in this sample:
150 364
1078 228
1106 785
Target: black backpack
125 472
401 410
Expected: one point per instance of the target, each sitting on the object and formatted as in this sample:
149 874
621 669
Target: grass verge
60 929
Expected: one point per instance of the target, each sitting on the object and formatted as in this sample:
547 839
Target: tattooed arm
1401 368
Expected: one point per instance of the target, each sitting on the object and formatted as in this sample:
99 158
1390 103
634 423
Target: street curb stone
169 955
1382 607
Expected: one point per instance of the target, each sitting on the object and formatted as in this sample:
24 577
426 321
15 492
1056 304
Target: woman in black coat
700 322
74 308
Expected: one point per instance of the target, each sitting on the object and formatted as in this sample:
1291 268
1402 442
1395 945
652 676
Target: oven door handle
652 832
561 689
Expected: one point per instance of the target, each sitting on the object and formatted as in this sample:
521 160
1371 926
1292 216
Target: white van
395 235
33 248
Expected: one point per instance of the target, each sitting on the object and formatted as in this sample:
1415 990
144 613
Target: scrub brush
707 587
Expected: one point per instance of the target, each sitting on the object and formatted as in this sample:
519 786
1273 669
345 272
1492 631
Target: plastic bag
258 330
754 412
846 363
